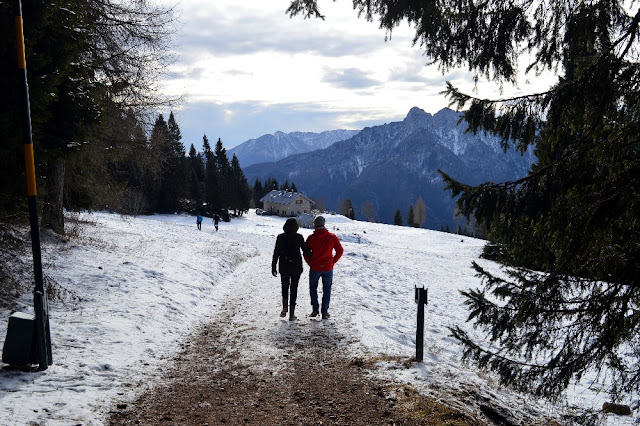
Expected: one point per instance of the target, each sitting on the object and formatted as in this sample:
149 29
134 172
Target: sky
244 69
128 293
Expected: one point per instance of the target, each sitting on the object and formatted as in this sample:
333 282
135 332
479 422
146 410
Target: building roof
282 197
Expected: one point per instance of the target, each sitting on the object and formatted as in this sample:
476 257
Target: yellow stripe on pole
22 62
30 169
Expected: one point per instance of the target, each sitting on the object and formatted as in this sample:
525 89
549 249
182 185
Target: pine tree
240 193
397 218
293 187
196 179
224 176
285 185
212 186
574 217
158 143
173 176
258 193
411 218
271 184
346 209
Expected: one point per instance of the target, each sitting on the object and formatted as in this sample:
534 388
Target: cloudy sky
245 69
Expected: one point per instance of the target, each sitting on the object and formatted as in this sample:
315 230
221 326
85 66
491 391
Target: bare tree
320 204
129 50
368 210
420 213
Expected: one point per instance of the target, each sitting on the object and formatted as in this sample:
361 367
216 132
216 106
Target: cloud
350 78
245 69
233 28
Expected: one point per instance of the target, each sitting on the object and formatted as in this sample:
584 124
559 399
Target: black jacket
287 252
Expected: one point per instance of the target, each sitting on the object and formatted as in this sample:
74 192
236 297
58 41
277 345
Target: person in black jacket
287 252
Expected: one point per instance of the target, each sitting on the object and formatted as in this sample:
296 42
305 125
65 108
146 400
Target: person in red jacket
323 244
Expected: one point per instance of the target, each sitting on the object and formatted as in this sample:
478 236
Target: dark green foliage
270 184
240 190
224 176
173 180
118 171
196 179
258 193
293 187
575 216
411 220
212 181
169 149
397 218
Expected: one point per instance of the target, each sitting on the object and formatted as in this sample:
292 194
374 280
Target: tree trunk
53 209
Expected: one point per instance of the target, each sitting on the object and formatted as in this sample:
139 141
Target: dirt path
247 366
314 384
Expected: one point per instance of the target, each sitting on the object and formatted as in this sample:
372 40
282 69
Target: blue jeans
327 280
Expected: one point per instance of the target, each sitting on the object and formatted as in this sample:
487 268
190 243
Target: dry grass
421 408
430 411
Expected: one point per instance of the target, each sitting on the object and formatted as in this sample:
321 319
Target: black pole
39 295
421 300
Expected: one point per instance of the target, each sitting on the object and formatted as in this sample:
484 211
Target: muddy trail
313 383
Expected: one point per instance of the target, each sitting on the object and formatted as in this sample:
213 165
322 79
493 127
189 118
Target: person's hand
274 273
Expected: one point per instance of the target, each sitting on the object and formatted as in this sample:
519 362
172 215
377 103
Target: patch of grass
430 411
413 405
372 361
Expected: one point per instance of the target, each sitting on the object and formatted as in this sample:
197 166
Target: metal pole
39 295
421 300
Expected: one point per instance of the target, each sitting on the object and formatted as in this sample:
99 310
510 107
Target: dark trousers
289 282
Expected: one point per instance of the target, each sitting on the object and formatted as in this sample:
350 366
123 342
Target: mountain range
391 165
270 148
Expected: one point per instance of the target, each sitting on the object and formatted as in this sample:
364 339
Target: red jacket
322 244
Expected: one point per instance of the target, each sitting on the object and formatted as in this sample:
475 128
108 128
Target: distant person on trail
216 220
199 222
322 244
287 252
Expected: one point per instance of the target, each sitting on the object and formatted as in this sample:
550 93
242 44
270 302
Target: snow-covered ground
129 290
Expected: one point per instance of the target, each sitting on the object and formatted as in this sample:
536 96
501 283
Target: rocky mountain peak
417 116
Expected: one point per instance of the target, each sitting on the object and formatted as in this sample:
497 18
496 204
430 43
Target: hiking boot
283 313
314 313
325 315
292 316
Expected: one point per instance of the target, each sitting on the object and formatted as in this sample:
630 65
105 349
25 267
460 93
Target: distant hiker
216 220
287 252
322 244
199 222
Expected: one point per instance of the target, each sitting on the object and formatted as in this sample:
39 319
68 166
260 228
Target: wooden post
421 300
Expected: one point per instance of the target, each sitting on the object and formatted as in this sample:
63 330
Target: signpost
42 333
421 299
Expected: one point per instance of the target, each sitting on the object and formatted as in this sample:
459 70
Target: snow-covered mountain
393 164
270 148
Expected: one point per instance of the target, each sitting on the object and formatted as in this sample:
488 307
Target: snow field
132 289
